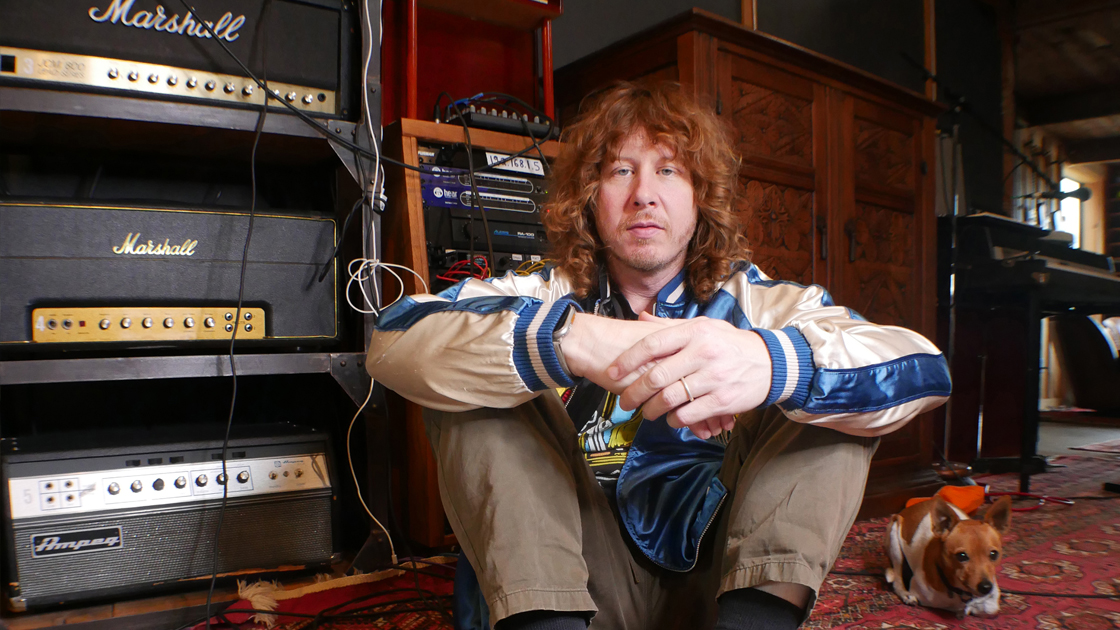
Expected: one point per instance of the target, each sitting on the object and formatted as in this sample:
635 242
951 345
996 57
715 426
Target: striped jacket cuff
534 354
792 361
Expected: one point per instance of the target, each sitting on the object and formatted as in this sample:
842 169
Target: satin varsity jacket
490 344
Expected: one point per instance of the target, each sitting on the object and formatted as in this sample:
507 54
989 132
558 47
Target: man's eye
962 556
668 171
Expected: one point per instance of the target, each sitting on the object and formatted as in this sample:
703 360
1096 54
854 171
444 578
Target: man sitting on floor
650 433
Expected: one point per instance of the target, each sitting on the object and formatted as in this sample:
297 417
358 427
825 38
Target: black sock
544 620
752 609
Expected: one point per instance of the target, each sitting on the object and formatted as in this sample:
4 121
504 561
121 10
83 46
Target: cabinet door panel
777 124
779 226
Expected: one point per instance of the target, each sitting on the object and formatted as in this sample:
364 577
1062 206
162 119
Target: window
1068 216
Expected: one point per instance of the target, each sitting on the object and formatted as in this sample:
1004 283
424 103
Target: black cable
475 197
237 319
341 236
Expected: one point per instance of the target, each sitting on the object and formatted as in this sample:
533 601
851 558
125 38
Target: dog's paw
890 575
910 599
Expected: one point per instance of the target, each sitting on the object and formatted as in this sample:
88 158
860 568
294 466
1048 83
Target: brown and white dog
941 558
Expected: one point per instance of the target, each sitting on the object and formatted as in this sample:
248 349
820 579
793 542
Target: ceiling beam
1095 150
1063 108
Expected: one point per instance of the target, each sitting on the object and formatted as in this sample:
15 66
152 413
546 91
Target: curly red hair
669 117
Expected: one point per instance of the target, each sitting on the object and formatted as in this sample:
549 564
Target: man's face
646 213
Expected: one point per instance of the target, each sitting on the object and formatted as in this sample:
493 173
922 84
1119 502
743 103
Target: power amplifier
107 514
99 276
158 50
512 195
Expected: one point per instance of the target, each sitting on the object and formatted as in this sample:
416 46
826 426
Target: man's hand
594 342
727 370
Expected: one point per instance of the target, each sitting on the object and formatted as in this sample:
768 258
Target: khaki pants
541 535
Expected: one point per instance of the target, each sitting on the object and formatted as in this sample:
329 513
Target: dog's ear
999 515
944 516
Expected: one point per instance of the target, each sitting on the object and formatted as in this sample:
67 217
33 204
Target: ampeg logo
84 541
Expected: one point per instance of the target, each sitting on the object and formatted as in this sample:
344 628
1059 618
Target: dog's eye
993 554
962 556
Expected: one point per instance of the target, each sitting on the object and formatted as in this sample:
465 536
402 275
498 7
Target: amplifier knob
168 323
173 81
307 99
201 481
134 76
247 90
229 327
211 84
247 316
114 488
291 96
229 317
181 483
67 324
221 479
105 324
229 88
113 73
208 322
248 328
243 476
137 486
147 323
153 78
482 111
52 324
299 473
126 323
505 114
192 83
272 475
189 322
157 484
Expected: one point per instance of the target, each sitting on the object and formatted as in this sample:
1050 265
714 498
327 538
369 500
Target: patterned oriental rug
1111 446
1067 556
417 598
1062 562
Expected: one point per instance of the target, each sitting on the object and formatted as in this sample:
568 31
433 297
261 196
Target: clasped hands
726 370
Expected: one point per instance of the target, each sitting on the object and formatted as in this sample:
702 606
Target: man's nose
645 191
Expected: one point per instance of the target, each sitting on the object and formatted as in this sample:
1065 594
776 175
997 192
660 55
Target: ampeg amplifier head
157 49
109 514
97 276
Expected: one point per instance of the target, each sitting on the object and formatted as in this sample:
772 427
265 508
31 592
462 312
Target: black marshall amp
157 49
75 276
104 515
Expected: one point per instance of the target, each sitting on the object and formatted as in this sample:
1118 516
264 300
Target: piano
1008 277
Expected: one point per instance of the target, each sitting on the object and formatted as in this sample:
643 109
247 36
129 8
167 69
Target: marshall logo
46 545
120 12
130 247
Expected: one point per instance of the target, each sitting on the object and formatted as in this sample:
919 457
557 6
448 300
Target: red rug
1111 446
405 600
1071 554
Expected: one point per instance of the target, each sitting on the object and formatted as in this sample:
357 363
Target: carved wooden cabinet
836 175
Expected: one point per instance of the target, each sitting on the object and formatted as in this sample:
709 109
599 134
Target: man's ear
999 515
944 516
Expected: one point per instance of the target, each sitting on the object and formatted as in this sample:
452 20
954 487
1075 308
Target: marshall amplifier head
103 515
157 49
100 276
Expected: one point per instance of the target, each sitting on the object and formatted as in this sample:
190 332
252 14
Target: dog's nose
984 587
